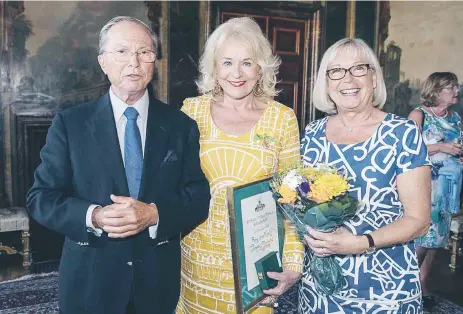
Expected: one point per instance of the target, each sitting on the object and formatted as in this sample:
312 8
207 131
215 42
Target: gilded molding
350 21
377 43
204 24
314 63
162 65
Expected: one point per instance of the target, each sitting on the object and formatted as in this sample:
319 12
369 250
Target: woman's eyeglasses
357 70
452 87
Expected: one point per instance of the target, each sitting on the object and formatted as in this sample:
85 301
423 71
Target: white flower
292 180
324 167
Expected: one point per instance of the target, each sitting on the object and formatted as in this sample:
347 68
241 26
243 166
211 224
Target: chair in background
14 221
455 242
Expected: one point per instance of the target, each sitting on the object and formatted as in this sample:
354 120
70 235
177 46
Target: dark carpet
36 294
39 294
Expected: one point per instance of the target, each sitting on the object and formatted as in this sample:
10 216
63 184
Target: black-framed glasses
357 70
124 55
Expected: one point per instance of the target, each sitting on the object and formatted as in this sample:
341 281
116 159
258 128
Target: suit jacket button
129 263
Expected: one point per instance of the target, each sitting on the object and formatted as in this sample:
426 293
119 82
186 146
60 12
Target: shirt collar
119 106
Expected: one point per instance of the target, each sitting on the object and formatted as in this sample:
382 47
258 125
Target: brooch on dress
265 140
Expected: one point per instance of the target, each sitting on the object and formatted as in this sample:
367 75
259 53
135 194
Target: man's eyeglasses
357 70
124 55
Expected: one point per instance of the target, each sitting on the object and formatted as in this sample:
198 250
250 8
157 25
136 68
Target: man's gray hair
118 19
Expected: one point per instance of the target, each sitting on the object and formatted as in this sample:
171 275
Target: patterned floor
30 295
39 294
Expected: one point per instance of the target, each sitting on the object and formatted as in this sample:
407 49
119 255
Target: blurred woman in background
442 135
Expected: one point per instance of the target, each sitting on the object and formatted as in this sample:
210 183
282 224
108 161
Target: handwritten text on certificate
260 231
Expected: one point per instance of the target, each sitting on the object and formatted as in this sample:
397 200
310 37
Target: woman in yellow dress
244 135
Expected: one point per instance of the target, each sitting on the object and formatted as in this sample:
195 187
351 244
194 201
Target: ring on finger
274 302
267 301
270 301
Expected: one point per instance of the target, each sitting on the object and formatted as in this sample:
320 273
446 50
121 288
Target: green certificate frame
256 229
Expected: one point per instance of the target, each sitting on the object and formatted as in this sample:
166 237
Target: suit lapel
157 135
103 129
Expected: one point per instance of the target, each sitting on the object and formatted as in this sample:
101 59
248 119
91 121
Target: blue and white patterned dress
388 280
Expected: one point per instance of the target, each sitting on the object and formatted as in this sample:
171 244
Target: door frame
312 12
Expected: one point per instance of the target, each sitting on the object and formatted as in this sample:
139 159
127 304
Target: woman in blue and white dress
386 161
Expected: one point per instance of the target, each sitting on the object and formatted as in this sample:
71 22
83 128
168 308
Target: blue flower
304 188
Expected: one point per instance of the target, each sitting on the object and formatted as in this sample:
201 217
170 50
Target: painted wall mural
54 46
48 61
424 37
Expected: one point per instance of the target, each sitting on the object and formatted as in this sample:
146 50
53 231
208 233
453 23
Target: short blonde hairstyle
434 84
249 34
354 47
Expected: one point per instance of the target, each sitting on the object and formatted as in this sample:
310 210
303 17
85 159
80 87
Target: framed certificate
256 231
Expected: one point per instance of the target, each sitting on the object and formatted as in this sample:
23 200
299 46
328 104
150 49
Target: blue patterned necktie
133 155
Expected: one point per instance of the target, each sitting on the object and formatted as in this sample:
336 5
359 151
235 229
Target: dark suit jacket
82 165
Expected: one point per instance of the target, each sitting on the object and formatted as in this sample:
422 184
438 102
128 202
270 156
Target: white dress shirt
119 108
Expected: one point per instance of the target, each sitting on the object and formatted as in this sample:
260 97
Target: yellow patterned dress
207 273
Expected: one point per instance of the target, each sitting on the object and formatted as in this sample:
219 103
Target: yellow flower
327 186
288 195
310 173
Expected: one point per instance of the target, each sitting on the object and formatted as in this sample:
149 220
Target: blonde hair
354 47
249 34
434 85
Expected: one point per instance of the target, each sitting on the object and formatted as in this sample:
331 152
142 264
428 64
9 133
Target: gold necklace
234 123
349 128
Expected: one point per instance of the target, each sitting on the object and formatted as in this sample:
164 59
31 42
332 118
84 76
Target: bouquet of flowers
316 197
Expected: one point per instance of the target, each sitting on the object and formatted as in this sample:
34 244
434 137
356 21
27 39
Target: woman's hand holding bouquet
316 201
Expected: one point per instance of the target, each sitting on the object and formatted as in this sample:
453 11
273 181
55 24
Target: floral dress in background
437 130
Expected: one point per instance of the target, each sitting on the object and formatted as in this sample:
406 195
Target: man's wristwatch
371 245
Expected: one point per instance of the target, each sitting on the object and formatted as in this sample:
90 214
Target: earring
217 90
258 91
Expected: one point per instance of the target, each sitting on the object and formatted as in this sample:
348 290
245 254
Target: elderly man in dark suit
120 177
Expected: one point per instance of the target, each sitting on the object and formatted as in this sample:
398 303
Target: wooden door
289 39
